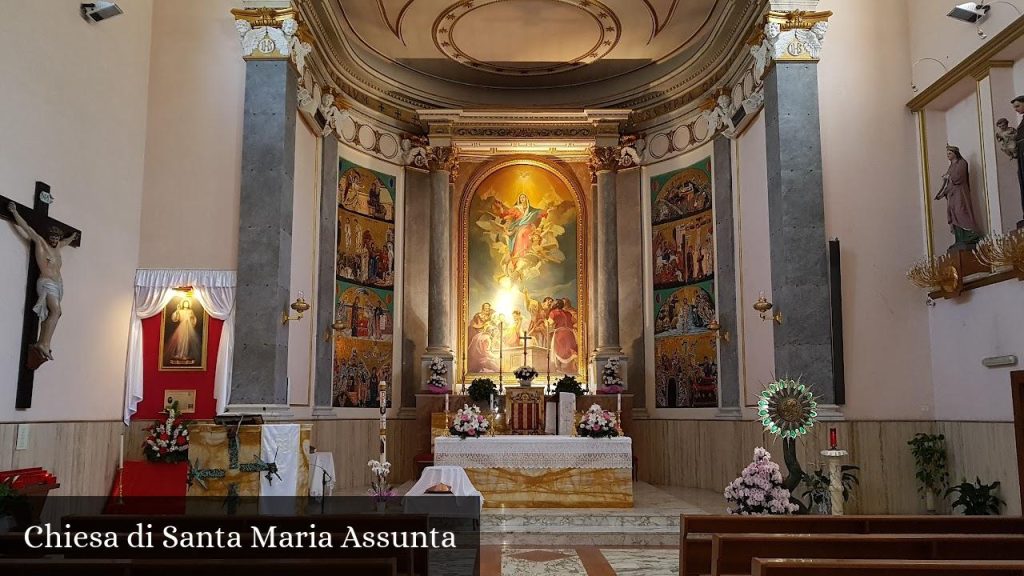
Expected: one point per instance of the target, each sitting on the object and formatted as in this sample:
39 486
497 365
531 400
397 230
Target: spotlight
96 11
970 11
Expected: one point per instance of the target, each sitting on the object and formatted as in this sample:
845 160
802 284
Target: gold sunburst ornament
787 408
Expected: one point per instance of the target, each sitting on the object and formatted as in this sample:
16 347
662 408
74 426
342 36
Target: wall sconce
715 327
337 326
300 306
763 306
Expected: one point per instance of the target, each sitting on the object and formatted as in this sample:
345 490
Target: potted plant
481 390
469 423
976 499
598 423
818 483
525 375
929 452
569 384
759 490
8 498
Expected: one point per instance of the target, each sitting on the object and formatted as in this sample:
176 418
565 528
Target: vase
382 507
525 382
929 501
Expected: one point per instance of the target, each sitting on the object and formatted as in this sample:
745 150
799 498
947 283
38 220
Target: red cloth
144 486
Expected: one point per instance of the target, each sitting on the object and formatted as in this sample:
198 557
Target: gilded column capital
605 159
269 33
444 158
795 35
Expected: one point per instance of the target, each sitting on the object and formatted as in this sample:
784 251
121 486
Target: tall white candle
618 402
492 401
120 460
446 403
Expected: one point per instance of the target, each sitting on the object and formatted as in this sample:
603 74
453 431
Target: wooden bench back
734 553
802 567
196 567
695 530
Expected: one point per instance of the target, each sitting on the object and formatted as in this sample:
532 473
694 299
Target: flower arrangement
610 379
469 423
598 423
167 440
380 490
525 373
569 384
438 382
759 490
481 389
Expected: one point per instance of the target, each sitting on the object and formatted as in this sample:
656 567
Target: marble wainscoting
354 442
708 454
83 455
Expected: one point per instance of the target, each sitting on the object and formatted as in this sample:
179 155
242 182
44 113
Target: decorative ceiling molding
396 25
657 22
606 24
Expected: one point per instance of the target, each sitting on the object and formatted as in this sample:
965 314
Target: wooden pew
734 553
801 567
196 567
695 531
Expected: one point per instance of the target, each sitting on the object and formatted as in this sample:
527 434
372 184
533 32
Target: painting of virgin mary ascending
521 273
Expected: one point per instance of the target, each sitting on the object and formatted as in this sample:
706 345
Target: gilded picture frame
184 335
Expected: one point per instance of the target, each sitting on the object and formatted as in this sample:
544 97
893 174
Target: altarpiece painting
683 252
522 271
184 328
365 292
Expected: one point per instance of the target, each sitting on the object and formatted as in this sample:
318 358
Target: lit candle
833 438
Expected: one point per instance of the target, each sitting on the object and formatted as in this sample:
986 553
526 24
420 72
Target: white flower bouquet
611 382
598 423
438 381
759 491
525 373
469 423
380 490
168 440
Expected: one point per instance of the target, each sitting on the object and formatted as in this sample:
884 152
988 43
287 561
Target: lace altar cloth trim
534 452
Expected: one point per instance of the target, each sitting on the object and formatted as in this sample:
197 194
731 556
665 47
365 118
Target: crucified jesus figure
50 286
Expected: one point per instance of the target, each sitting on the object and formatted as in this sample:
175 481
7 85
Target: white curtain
215 290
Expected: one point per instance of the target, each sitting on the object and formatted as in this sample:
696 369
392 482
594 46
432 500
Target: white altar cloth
321 474
451 475
535 452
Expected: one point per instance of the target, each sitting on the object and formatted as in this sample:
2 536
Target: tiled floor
578 561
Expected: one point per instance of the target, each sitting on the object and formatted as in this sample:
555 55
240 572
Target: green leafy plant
976 499
929 452
817 484
481 389
569 384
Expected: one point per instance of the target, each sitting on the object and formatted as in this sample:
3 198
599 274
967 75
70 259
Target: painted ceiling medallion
552 36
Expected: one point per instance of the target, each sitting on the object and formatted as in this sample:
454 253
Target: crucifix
44 288
526 339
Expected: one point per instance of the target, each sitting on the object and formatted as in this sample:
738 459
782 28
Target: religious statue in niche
1006 136
50 286
183 334
956 189
1018 107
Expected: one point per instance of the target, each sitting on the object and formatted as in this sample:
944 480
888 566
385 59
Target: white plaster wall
932 34
305 224
753 261
982 323
873 205
74 115
194 137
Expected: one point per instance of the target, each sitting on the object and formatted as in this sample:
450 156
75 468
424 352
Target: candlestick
383 401
501 355
833 439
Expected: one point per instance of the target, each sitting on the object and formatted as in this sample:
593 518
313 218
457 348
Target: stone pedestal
835 474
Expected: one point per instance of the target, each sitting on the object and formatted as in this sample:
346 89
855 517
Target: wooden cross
526 339
38 218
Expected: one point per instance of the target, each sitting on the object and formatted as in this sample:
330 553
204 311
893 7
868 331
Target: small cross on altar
526 340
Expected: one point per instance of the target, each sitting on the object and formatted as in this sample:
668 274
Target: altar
544 471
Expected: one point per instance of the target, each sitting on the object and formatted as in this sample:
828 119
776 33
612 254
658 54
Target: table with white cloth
544 471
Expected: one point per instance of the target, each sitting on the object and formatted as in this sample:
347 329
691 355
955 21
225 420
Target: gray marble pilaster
607 309
327 248
631 278
260 369
796 216
440 275
415 280
725 280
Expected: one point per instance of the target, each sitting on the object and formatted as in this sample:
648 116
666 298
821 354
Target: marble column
443 164
327 248
259 374
725 282
796 212
604 163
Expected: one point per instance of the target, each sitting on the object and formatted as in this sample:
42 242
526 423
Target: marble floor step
586 522
581 538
